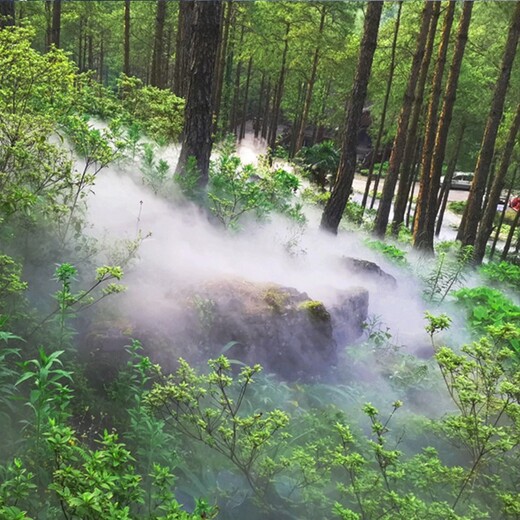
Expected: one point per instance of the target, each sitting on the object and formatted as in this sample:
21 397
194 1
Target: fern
448 273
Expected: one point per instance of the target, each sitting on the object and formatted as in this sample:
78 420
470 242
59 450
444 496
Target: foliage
159 111
501 274
155 173
448 272
485 306
457 207
185 400
393 253
320 163
235 190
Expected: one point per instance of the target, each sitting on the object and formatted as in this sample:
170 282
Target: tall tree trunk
408 165
80 46
167 61
7 13
236 90
510 236
298 113
126 45
182 47
442 201
425 225
277 100
265 119
385 203
198 116
381 130
56 23
503 213
258 118
101 58
228 8
468 228
486 224
318 126
338 200
246 100
312 81
90 51
48 23
157 73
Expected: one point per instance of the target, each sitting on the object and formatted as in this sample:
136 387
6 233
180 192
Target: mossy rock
315 309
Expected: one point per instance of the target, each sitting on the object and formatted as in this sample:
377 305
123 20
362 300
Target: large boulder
369 271
279 327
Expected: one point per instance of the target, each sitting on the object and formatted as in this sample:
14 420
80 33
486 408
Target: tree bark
381 130
408 165
442 201
228 8
236 90
503 213
338 200
425 225
470 220
510 236
265 120
56 23
258 118
182 47
396 157
277 100
310 85
486 224
157 76
198 139
246 100
126 45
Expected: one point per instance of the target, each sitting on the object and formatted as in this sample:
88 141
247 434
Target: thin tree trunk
265 120
91 52
442 201
414 179
510 236
126 45
385 108
101 58
342 187
228 9
279 92
157 74
470 220
408 164
246 100
56 23
298 113
318 135
312 81
385 203
486 224
48 23
503 213
424 232
261 96
198 117
236 90
182 47
80 45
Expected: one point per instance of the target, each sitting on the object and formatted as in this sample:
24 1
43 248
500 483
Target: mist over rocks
196 290
278 327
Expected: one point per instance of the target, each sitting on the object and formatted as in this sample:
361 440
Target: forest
259 259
